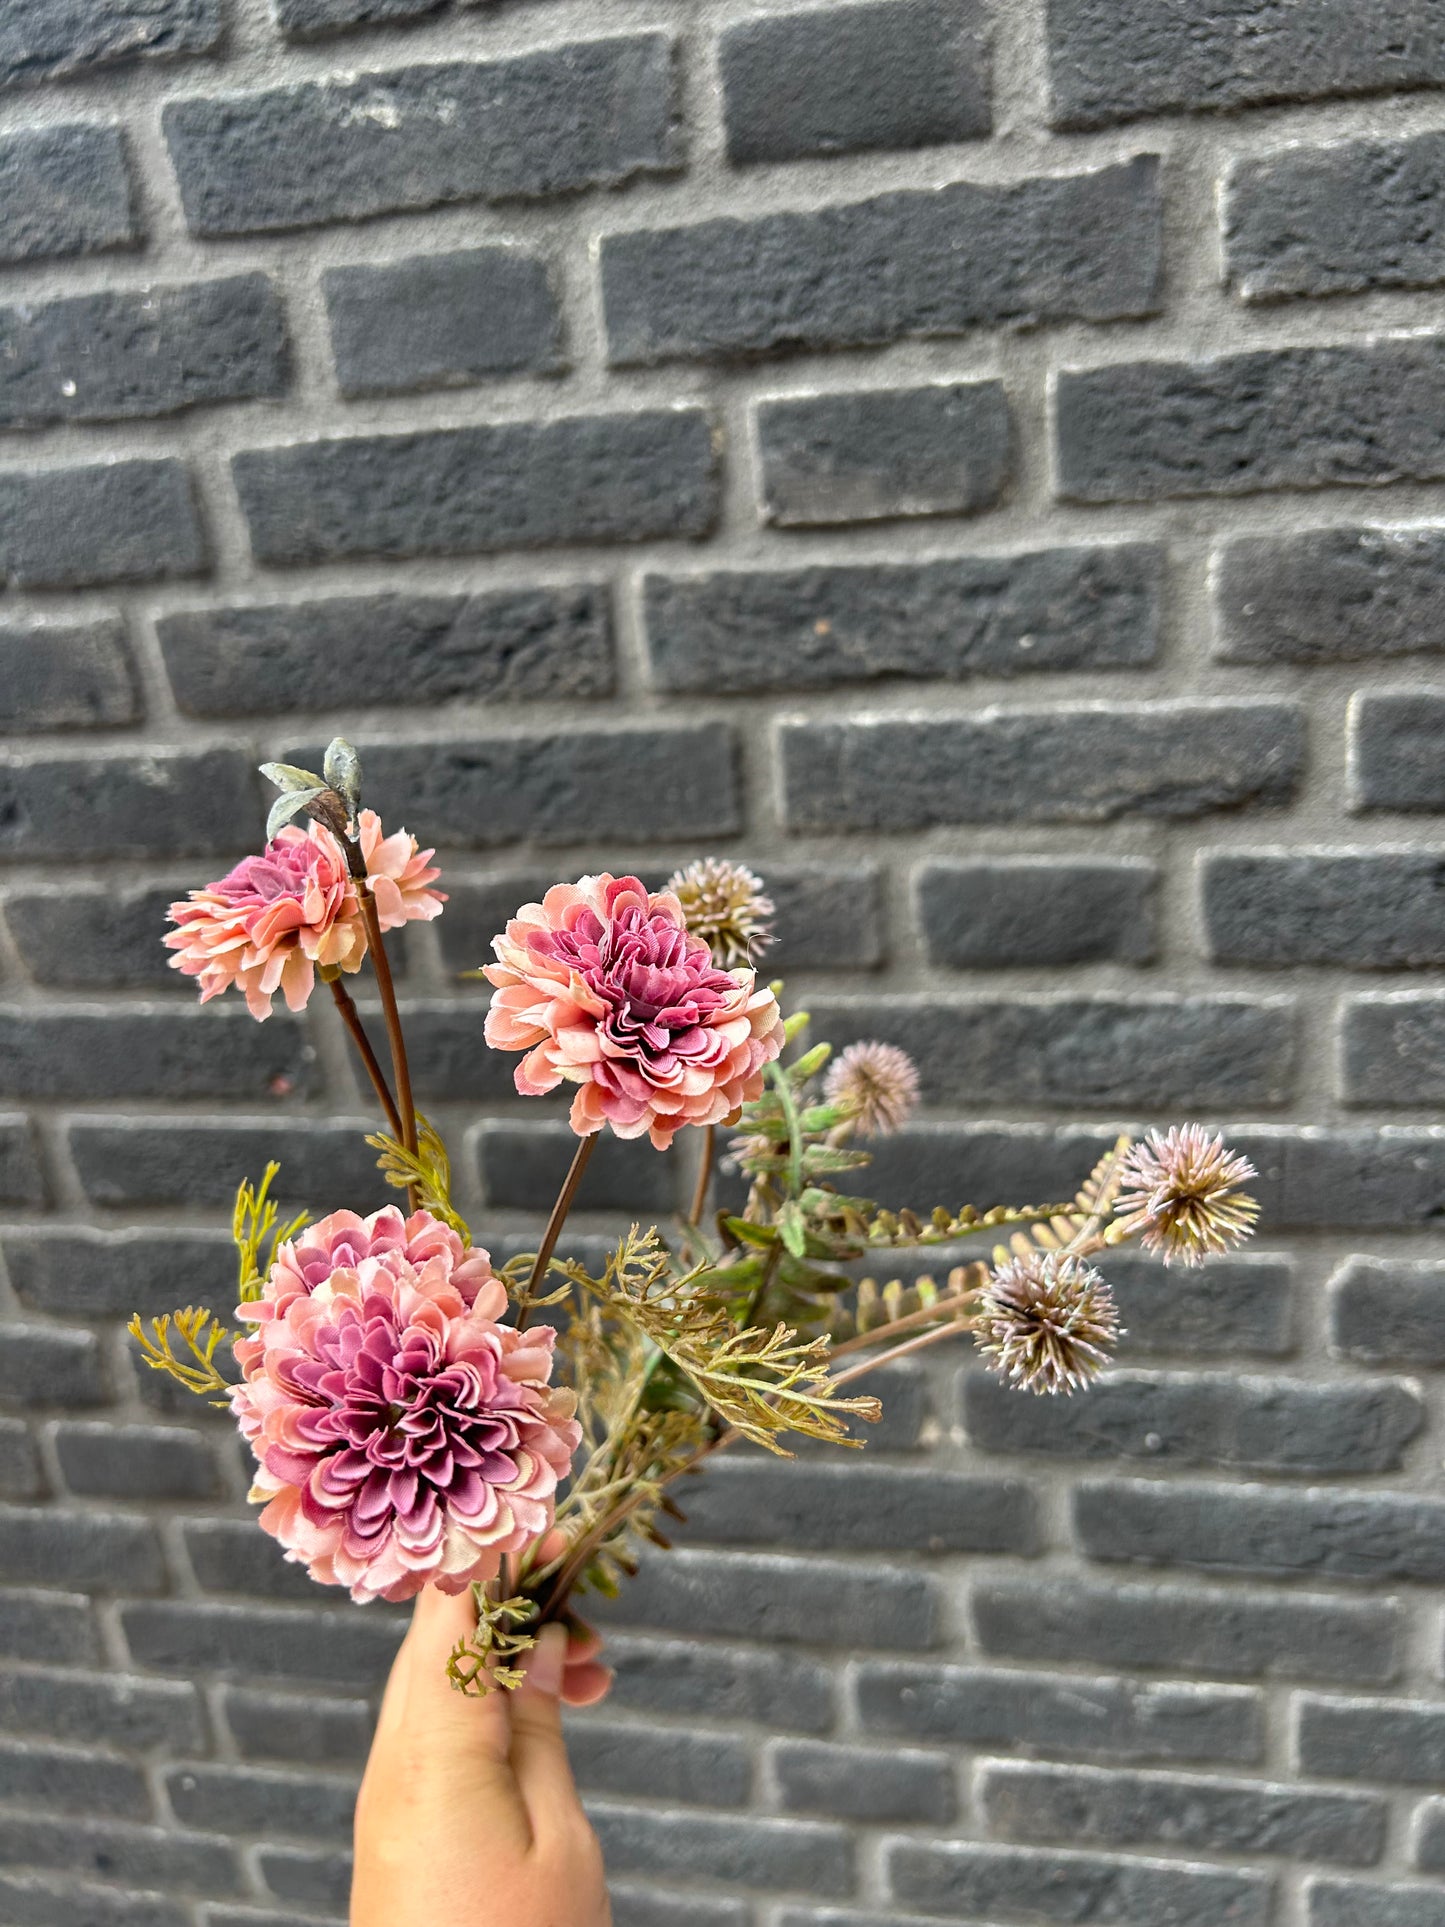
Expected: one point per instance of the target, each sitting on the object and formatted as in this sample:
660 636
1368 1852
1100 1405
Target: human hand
468 1814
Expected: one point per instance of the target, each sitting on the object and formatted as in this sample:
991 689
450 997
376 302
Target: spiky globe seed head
1180 1189
1047 1322
879 1085
725 905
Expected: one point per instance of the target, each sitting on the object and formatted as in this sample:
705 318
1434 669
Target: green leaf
795 1025
748 1233
810 1063
290 803
287 776
793 1227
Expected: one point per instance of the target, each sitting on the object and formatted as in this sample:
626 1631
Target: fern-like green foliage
200 1333
427 1171
486 1658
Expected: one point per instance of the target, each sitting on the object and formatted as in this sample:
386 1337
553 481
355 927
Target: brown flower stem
351 1017
704 1175
387 989
895 1328
585 1147
914 1344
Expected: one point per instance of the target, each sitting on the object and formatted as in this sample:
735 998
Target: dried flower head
1047 1322
404 1435
725 905
879 1085
603 986
1180 1187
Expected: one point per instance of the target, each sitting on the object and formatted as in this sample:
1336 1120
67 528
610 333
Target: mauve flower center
659 984
280 871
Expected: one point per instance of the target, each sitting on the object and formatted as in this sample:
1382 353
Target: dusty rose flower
277 916
603 987
878 1083
268 924
403 1435
1180 1187
1046 1321
400 873
725 905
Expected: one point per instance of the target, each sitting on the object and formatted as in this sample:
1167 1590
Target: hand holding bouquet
420 1418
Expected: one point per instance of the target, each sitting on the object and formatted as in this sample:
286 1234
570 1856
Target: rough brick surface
64 190
752 430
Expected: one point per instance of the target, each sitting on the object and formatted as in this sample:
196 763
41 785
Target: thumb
539 1750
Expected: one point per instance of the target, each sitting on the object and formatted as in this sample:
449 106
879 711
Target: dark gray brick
1389 1741
303 1732
135 1461
309 19
1110 1718
1394 752
1276 418
903 1391
740 631
1017 912
1389 1176
21 1179
42 1626
199 1162
442 320
496 645
343 1649
936 262
957 1879
1392 1049
646 782
71 1780
20 1476
838 1917
523 1165
40 1365
814 1601
76 676
775 1856
1093 1808
98 1551
253 1917
1257 1424
166 803
1363 594
1112 60
148 351
660 1763
151 1857
1389 1312
1378 1537
1430 1836
644 1907
450 1063
863 455
698 1677
1237 1305
1355 1903
64 190
310 1879
1239 1635
55 39
908 73
924 1164
230 1555
95 936
858 1507
1203 1051
852 1783
102 1709
591 113
1353 909
521 484
67 1053
75 1272
253 1799
29 1901
1337 219
1039 766
66 528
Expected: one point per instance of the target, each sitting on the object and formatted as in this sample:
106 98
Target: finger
584 1642
471 1725
539 1752
585 1685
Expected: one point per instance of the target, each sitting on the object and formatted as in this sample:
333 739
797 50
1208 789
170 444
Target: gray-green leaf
291 803
287 777
343 772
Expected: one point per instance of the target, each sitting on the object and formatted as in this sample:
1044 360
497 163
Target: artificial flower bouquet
420 1417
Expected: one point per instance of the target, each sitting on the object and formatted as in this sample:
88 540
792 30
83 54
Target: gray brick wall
982 465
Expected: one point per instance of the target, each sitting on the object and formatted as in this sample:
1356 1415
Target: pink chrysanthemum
276 917
1181 1189
879 1085
603 986
404 1437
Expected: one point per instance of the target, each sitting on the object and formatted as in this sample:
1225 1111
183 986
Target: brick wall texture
982 466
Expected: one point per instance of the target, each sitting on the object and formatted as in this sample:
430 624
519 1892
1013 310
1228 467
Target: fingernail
547 1659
